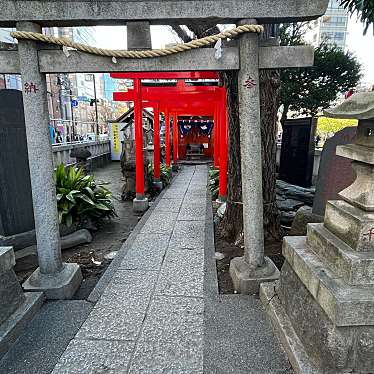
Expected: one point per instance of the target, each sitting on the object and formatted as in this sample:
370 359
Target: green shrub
165 174
79 198
214 182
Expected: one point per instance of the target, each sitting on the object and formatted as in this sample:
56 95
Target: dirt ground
95 257
230 250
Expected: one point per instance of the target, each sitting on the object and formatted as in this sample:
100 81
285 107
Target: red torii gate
176 100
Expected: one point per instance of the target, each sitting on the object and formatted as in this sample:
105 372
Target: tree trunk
232 223
269 94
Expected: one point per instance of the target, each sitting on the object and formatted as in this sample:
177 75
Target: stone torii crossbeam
34 60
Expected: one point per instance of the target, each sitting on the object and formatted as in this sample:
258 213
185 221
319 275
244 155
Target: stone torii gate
33 60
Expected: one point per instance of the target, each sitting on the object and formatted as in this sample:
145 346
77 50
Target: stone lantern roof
358 106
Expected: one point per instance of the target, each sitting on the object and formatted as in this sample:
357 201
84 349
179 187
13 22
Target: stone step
352 225
345 305
356 268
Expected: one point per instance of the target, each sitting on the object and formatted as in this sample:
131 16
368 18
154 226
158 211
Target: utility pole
96 113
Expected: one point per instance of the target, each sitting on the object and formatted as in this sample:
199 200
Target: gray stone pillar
56 279
138 36
252 269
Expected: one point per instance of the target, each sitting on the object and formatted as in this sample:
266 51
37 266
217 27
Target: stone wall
100 152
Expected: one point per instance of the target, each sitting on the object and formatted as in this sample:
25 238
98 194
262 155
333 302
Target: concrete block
7 259
345 305
247 281
12 328
158 185
140 205
351 224
356 268
62 285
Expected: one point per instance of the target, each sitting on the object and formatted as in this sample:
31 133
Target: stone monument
16 307
323 305
335 172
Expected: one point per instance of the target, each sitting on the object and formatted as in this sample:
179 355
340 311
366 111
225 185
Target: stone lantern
323 305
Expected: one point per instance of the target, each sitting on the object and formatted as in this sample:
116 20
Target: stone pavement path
150 317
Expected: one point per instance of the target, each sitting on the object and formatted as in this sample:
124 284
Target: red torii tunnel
174 101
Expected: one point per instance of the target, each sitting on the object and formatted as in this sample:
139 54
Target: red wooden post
167 137
138 122
216 136
175 138
223 151
156 141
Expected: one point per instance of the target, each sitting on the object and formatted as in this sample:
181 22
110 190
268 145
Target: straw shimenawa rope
197 43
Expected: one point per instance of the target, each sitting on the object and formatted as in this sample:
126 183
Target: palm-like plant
79 198
364 8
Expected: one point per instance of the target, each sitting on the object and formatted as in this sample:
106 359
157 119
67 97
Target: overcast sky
362 46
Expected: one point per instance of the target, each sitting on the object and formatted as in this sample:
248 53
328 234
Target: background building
332 27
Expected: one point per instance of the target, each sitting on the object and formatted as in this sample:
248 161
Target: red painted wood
216 130
223 152
138 123
168 75
175 138
156 141
167 137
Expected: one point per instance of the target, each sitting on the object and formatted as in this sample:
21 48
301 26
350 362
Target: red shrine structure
195 113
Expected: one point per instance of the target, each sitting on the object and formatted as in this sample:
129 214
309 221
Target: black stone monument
297 152
16 211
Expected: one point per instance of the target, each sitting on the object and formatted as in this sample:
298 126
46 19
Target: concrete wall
100 153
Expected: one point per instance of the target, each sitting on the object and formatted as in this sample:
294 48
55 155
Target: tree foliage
327 125
364 9
308 90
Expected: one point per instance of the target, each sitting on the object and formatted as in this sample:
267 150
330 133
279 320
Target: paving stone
159 223
188 229
195 212
146 253
182 273
37 351
172 194
172 337
95 356
120 311
182 241
169 205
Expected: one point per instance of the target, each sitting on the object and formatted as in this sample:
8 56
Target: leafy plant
165 173
214 182
79 198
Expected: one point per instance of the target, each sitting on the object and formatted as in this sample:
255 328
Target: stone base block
15 324
247 281
62 285
345 305
351 224
158 185
19 241
283 328
140 205
315 339
356 268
